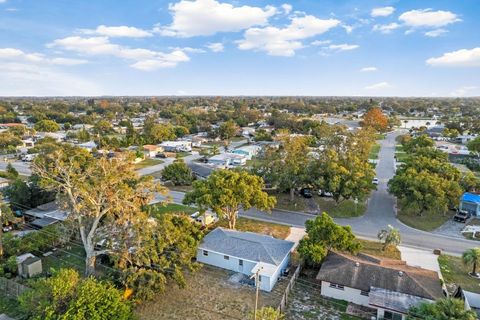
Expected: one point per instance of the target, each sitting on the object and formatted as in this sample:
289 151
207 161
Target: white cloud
435 33
207 17
3 1
287 8
459 58
118 31
216 47
386 28
382 12
320 42
348 28
343 47
428 18
285 41
145 59
19 56
27 79
378 86
463 91
369 69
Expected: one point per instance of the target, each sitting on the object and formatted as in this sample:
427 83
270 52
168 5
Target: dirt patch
209 295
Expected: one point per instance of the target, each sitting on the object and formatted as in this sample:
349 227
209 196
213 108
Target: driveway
23 168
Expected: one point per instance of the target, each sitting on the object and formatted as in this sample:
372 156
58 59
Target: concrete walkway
420 258
296 234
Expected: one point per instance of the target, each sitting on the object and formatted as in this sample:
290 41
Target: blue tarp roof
470 197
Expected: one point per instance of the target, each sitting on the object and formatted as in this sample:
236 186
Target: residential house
389 286
151 150
227 160
246 253
89 146
249 151
470 202
176 146
46 214
464 139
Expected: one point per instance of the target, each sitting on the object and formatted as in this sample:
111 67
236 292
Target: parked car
160 155
7 228
323 193
461 216
204 219
375 181
306 193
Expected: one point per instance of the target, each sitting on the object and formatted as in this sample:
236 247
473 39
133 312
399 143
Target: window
226 257
391 316
364 293
240 262
205 253
336 286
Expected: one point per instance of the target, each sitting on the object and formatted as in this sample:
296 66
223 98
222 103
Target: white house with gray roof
246 252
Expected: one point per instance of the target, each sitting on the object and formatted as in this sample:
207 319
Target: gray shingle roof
247 245
363 272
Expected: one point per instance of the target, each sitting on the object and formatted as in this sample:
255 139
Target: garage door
470 207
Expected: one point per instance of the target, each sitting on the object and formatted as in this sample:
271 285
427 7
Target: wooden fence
11 288
291 283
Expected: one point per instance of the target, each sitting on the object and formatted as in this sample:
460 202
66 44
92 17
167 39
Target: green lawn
455 273
345 209
374 151
182 154
401 156
283 202
147 163
175 208
380 136
10 307
67 257
278 231
428 221
375 248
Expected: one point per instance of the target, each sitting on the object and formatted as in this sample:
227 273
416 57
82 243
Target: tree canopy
323 235
443 309
374 118
228 191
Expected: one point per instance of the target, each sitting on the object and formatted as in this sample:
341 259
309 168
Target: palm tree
443 309
472 256
390 237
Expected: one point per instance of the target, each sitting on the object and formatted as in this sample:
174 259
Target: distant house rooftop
471 197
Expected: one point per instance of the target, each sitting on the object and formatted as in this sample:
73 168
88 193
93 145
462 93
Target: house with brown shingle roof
389 286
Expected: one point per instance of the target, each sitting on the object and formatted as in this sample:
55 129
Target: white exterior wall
217 260
347 294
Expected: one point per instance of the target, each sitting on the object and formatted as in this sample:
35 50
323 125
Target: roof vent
400 273
357 264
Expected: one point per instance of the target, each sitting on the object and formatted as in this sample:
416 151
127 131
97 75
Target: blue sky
241 47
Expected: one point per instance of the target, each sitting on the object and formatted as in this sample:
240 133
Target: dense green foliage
178 173
444 309
65 296
323 235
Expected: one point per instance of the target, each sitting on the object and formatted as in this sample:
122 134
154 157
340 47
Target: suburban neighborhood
239 159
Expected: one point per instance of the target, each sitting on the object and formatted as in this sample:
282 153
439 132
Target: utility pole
257 277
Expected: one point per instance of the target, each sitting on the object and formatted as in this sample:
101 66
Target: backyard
210 293
278 231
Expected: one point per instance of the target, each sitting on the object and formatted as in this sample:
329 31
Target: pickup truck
461 216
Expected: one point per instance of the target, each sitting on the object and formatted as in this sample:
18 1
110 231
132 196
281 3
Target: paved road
23 168
379 214
167 161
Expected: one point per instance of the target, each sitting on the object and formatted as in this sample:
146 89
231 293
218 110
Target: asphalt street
379 214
